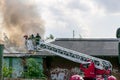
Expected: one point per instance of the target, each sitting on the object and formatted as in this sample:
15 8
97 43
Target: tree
118 33
50 37
7 71
33 69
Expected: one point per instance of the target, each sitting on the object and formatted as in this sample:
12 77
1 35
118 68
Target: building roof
89 46
87 39
36 54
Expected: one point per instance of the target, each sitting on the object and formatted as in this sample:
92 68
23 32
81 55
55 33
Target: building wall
17 67
17 64
61 69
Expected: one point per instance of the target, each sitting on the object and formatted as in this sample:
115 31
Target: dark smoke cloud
20 18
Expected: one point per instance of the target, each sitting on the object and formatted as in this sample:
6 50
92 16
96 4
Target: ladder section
69 54
74 55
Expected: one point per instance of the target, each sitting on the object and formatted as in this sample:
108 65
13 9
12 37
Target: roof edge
87 39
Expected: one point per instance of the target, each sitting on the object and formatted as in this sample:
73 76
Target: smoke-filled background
19 18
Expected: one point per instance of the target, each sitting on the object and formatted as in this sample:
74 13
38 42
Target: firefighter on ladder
37 40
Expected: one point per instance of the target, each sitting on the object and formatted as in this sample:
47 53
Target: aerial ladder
69 54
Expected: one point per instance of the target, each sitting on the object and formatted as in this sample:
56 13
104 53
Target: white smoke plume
20 18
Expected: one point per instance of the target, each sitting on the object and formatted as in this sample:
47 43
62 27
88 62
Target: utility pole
1 60
73 34
80 36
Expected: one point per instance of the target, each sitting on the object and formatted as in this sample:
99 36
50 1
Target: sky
88 18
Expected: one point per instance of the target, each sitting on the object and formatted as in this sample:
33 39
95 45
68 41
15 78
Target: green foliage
50 37
118 33
7 71
33 69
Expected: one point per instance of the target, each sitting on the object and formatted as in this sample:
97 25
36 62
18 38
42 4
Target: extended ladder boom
73 55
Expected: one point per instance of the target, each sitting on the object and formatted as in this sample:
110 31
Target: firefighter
26 38
37 39
32 36
89 71
33 39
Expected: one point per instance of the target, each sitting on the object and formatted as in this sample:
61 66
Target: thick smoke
20 18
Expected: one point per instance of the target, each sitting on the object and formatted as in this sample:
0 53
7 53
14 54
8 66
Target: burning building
20 18
54 65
